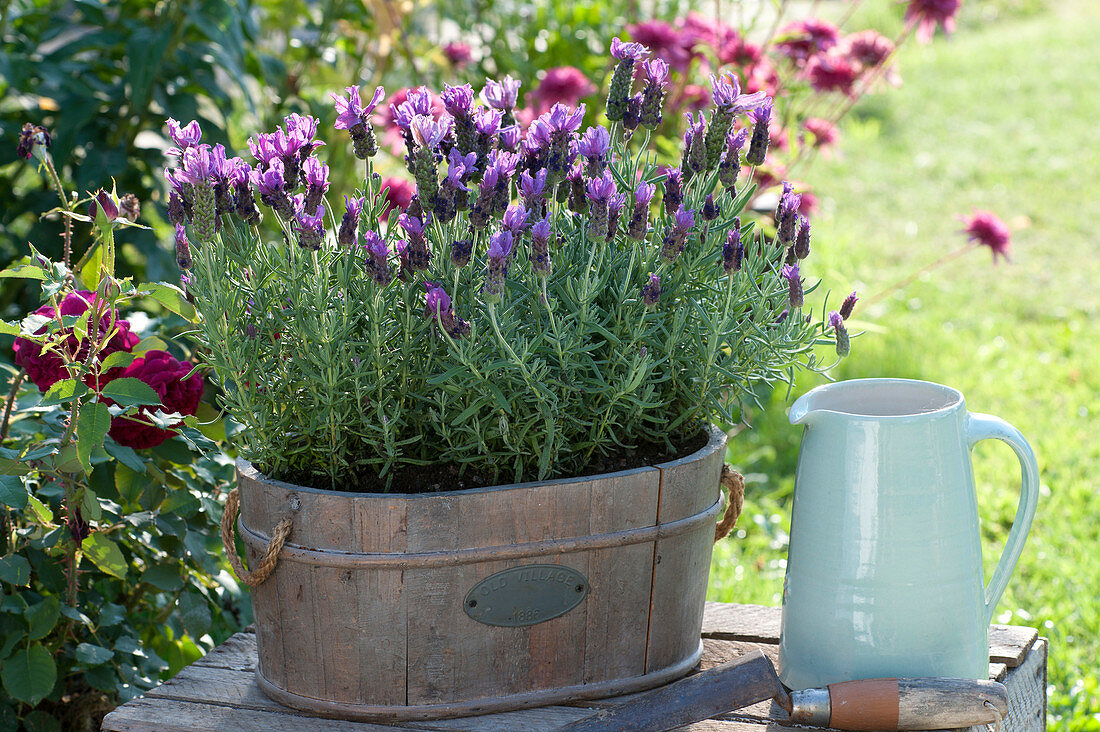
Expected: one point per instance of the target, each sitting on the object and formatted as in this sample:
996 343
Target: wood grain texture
682 563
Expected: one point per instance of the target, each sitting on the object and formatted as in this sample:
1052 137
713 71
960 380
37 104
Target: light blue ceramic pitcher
884 574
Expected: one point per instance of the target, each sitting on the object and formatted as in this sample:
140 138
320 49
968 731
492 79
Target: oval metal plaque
526 595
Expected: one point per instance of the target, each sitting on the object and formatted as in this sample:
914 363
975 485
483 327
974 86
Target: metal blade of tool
732 685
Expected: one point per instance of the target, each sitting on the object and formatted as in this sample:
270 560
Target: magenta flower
501 95
565 85
867 49
825 133
161 371
986 229
184 137
351 111
665 42
925 14
832 71
46 369
805 38
458 53
399 193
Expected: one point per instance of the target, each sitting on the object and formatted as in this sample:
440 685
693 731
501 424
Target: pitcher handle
984 427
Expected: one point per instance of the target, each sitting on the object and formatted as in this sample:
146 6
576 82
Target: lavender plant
532 311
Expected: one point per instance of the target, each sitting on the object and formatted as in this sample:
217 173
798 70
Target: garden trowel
870 704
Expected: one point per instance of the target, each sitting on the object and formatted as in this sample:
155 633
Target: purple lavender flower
499 256
673 196
802 239
461 249
179 207
183 249
711 209
794 284
621 79
515 219
540 250
848 306
676 237
651 291
695 152
843 342
758 145
532 190
354 117
200 164
614 212
632 117
310 225
453 194
263 149
437 307
486 126
600 190
500 168
730 167
639 218
315 176
428 132
501 95
733 250
351 112
458 100
509 137
653 96
349 224
578 194
184 137
272 187
377 262
419 253
786 215
594 146
728 98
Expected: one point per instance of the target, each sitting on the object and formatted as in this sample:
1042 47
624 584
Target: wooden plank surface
219 693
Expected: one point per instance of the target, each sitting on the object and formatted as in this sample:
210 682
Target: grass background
1001 116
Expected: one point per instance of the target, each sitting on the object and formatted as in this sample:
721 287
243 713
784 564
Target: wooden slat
1009 644
755 623
237 653
688 487
162 715
620 580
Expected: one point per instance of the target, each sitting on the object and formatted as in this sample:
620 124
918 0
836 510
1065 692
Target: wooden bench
219 691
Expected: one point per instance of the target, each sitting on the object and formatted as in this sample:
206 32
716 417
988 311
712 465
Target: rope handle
271 555
734 484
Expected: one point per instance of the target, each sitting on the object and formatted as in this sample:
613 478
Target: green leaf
7 328
163 578
29 674
172 298
40 721
62 392
131 392
91 429
111 614
43 617
93 655
194 614
12 491
40 510
89 505
15 570
89 273
104 554
24 272
118 359
125 455
152 343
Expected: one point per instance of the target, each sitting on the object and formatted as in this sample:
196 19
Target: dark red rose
47 369
165 375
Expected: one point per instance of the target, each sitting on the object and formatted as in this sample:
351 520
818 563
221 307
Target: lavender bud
674 195
794 284
733 251
711 209
802 239
183 249
177 214
460 252
540 254
843 343
651 291
848 306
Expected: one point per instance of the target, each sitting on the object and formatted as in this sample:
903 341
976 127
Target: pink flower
866 49
694 98
987 229
458 53
805 38
831 71
399 193
564 84
165 375
825 132
664 42
925 14
47 369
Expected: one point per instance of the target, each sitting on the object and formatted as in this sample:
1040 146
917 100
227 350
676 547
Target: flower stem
10 401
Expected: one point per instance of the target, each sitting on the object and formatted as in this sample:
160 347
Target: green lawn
1000 117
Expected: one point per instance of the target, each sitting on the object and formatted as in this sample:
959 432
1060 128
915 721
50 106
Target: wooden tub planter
419 606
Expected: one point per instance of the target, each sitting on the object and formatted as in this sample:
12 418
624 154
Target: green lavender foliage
336 378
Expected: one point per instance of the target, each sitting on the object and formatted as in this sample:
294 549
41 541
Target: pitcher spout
802 411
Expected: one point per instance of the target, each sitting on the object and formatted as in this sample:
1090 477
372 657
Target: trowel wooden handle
902 704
